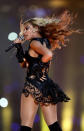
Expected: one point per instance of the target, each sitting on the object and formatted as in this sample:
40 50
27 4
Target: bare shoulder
36 43
39 48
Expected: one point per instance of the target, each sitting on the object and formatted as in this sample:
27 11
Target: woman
44 36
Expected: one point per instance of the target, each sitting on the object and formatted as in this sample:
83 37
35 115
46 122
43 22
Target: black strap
42 40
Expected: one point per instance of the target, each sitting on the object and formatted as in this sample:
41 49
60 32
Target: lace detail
37 95
44 90
40 86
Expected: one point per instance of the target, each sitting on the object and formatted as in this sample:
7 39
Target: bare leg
28 109
49 113
50 116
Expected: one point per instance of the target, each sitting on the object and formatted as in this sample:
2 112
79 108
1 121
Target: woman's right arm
20 54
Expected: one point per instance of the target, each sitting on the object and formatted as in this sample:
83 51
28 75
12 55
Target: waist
37 77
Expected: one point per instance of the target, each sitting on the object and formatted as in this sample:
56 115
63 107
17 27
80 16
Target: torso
34 59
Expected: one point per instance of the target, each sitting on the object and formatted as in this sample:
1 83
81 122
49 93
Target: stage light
43 124
12 36
82 59
3 102
7 116
40 12
82 122
15 126
68 114
82 112
36 118
58 3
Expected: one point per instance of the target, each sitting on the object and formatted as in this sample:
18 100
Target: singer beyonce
44 36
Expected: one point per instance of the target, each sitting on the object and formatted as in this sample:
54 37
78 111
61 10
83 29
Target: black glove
20 52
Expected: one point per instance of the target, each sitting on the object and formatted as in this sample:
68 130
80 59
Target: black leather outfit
37 82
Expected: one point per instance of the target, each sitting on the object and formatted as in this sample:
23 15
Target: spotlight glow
12 36
82 121
40 12
43 124
3 102
68 113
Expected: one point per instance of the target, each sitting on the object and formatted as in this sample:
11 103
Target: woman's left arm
43 50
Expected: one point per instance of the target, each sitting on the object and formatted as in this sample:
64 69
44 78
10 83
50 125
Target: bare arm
43 50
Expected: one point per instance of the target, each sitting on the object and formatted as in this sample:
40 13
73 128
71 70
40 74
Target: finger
24 59
27 64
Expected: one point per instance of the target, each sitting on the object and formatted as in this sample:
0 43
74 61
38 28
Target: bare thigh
28 109
49 113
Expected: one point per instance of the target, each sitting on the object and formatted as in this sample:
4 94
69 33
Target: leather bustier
36 66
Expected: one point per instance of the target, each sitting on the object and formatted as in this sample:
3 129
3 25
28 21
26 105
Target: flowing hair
56 29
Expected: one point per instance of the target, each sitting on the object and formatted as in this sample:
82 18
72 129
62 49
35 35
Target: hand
17 41
27 64
24 64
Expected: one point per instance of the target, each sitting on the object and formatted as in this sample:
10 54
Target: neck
36 35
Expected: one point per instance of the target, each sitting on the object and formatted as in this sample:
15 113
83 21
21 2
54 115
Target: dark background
67 67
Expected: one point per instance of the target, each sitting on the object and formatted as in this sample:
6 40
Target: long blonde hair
55 29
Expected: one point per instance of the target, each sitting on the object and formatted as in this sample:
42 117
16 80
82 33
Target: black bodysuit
37 82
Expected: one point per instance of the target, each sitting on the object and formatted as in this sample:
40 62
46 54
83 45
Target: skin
28 108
